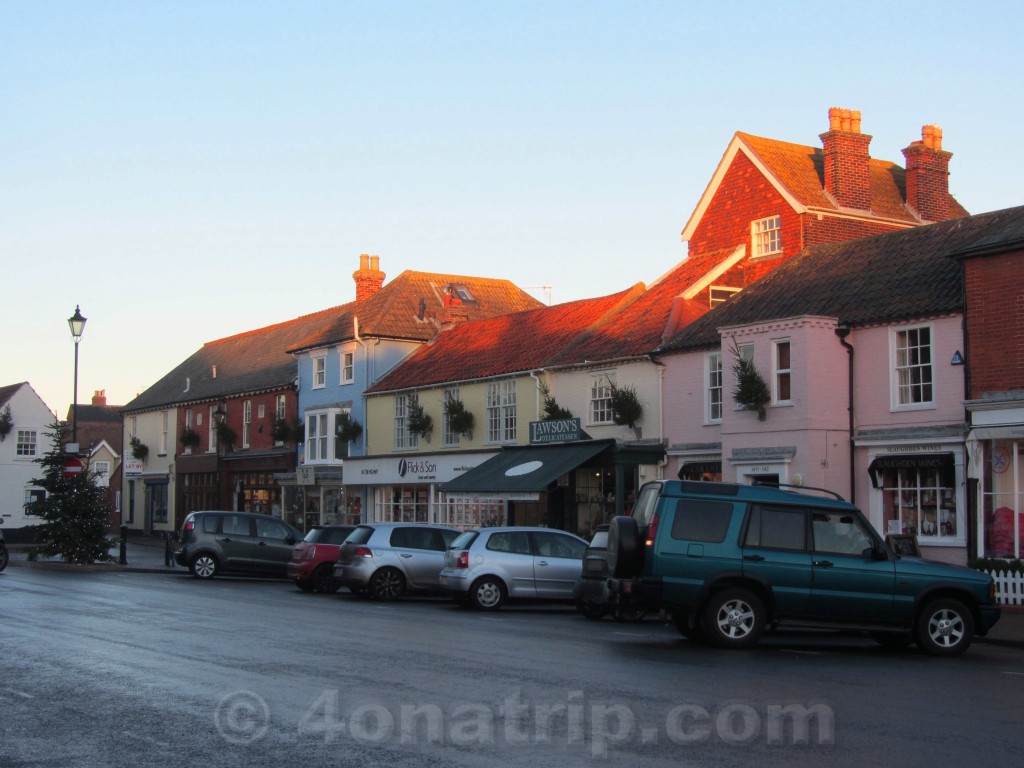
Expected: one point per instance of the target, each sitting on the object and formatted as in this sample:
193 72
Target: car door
510 555
776 554
850 582
557 563
273 549
236 541
420 551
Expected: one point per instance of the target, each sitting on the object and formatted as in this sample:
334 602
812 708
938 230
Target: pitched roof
895 276
797 171
7 392
513 343
248 362
413 305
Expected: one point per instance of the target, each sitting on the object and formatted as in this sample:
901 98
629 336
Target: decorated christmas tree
74 511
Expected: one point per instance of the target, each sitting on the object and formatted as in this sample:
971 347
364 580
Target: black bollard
123 559
168 550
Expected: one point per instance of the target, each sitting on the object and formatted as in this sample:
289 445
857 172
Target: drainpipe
842 331
536 378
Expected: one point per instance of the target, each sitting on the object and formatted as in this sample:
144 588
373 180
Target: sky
184 171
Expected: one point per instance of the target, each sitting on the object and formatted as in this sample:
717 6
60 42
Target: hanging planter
189 438
626 408
225 435
139 449
6 422
281 432
460 421
348 428
752 392
419 421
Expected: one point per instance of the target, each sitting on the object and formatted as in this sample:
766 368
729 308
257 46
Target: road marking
1021 674
142 737
22 694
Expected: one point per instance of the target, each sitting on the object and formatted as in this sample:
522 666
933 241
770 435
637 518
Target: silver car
386 560
486 567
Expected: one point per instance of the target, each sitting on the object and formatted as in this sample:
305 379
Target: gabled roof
896 276
412 306
9 391
97 414
797 173
515 343
250 362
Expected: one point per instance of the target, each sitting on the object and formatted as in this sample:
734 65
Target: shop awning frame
526 469
943 462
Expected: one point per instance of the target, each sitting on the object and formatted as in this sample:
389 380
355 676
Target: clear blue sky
189 170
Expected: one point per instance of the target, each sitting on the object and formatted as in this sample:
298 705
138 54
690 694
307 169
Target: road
128 669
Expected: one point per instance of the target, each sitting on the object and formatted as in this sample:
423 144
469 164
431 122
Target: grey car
213 542
486 567
387 560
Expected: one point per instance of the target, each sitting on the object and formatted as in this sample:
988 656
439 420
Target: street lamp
77 324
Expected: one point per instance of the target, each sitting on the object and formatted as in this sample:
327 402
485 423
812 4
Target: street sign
72 467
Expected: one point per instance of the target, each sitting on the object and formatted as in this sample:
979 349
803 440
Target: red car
313 558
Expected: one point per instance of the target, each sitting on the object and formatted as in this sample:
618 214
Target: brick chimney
369 279
99 397
928 175
847 175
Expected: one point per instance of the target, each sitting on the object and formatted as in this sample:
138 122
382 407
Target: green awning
526 469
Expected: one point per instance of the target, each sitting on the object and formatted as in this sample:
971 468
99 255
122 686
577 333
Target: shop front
997 466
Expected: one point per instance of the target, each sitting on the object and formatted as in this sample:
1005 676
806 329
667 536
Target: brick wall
994 293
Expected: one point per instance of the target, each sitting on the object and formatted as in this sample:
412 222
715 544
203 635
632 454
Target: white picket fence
1009 587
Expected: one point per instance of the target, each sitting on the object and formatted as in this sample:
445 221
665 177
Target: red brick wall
831 229
994 294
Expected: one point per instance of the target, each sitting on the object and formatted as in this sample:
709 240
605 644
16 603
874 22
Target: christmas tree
74 511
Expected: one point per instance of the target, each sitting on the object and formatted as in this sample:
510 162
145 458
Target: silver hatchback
386 560
486 567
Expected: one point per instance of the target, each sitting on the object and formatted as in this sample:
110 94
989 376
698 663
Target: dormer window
766 236
457 293
719 294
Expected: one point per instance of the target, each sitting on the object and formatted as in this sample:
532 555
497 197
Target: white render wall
28 412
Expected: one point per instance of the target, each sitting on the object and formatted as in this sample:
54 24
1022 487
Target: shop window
1003 500
916 501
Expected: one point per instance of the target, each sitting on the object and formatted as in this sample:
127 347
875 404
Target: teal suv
730 561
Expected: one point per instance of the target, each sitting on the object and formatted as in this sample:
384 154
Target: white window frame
905 367
319 371
211 429
501 411
165 422
246 422
600 408
451 440
316 436
102 471
746 352
348 367
782 373
719 294
404 439
766 236
340 447
714 388
27 443
280 409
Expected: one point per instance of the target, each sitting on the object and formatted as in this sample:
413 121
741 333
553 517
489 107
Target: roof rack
793 487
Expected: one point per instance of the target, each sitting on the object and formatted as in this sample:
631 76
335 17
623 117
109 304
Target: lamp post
77 324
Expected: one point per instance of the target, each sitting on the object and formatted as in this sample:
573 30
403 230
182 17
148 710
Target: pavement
147 555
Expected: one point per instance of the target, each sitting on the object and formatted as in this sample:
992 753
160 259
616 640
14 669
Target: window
514 542
920 501
551 544
280 409
601 400
261 411
451 439
501 411
766 235
165 421
340 445
840 534
316 437
403 437
701 521
713 390
211 438
348 367
913 367
28 442
782 377
719 294
246 422
777 528
188 425
319 372
102 470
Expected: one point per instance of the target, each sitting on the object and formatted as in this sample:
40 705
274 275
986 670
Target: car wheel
896 641
733 618
591 610
629 613
204 566
945 627
623 547
322 579
4 557
387 584
487 594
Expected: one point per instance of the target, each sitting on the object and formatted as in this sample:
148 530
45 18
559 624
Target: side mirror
290 539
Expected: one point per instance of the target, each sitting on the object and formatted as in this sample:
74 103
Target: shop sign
133 467
555 431
305 475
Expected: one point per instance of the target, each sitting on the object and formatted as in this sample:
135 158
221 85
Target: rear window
415 537
696 520
360 535
328 535
463 540
777 528
643 510
210 523
516 542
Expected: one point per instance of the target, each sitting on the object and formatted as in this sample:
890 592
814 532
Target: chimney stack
369 279
99 397
847 172
928 175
